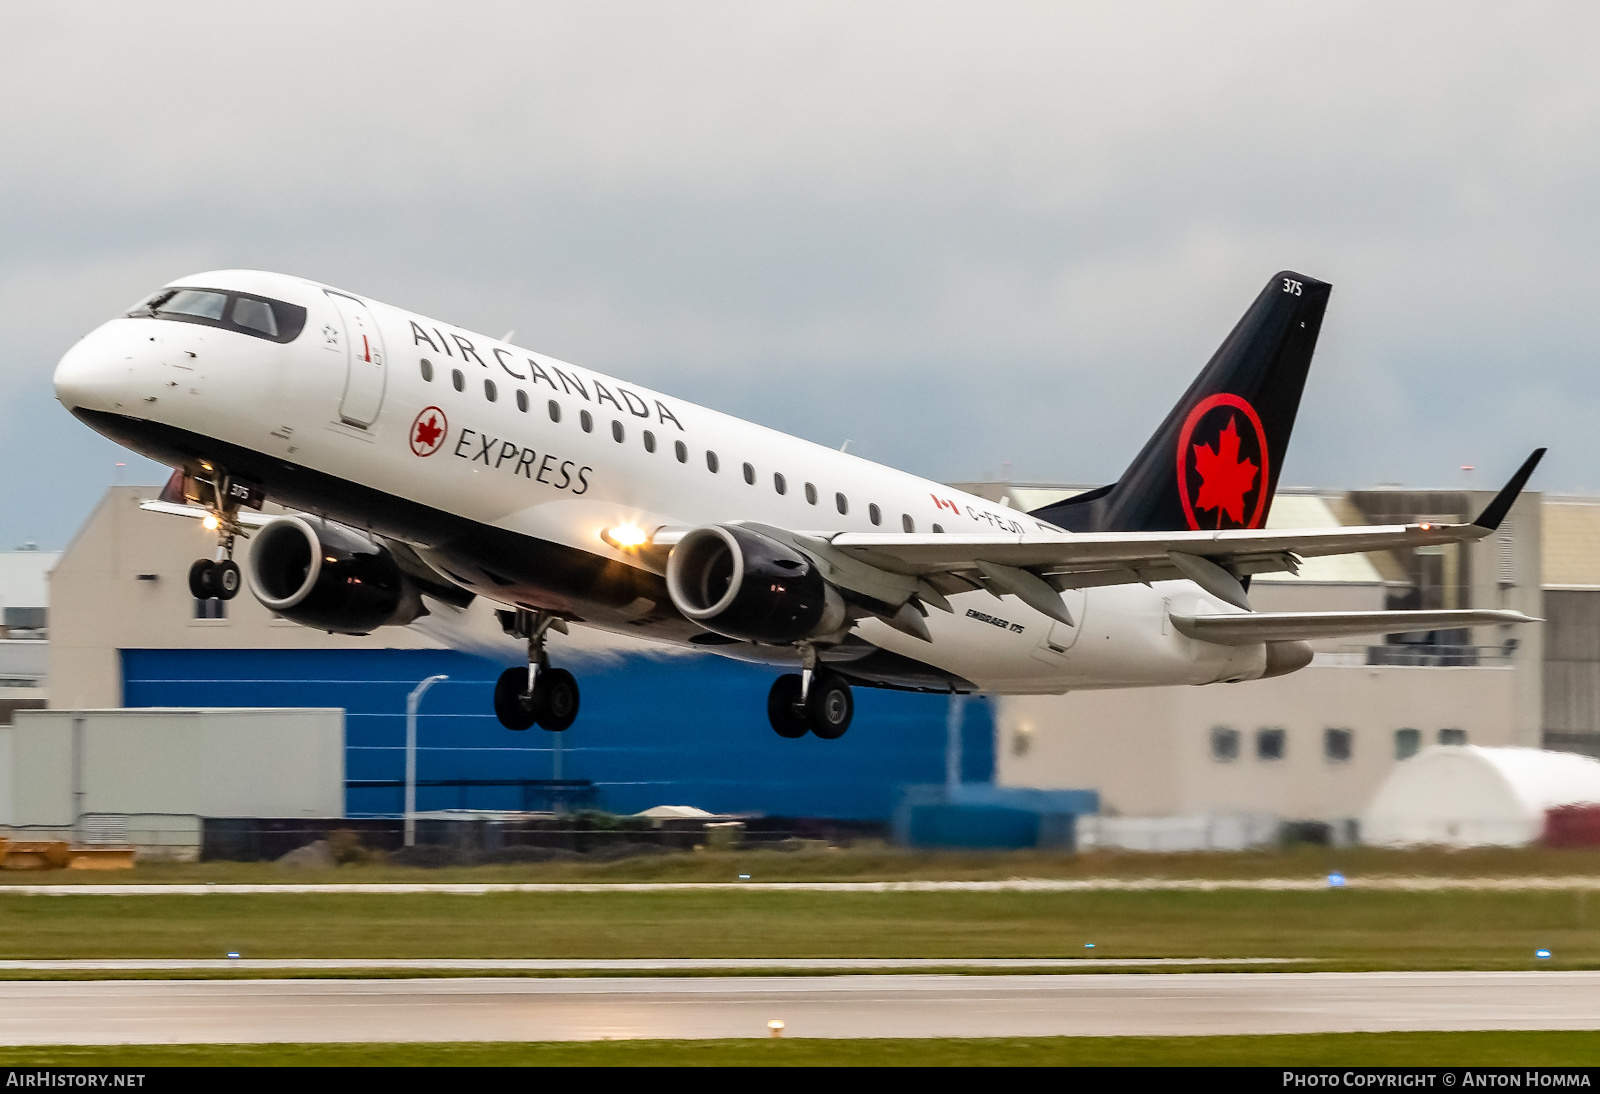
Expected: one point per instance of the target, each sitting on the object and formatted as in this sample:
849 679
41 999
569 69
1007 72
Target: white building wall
1148 751
207 763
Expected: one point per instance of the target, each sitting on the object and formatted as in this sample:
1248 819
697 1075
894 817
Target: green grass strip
1473 1049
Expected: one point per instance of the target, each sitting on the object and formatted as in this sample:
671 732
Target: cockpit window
255 314
245 313
202 305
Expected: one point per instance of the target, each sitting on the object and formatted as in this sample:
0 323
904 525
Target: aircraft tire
226 579
509 706
557 699
202 579
783 707
830 706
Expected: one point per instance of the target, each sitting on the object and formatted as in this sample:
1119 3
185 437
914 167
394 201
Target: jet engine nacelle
330 577
749 586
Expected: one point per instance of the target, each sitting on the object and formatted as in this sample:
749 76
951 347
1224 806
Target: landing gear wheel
830 706
203 579
783 707
225 579
557 699
510 707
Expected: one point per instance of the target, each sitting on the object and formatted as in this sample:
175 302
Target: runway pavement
220 1011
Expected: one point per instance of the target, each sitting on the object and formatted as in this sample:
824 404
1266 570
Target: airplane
422 465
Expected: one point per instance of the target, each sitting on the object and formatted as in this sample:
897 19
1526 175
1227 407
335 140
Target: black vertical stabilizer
1214 462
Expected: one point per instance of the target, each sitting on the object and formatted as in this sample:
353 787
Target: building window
711 461
522 400
555 411
681 450
874 514
458 381
779 483
1224 744
1406 743
616 432
489 391
211 609
1270 743
1452 736
749 474
1336 745
649 441
586 420
906 523
811 494
427 370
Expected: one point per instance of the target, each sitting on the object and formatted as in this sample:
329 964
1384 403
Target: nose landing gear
219 578
536 694
210 580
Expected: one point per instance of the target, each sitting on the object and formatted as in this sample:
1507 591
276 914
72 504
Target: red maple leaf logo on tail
1225 478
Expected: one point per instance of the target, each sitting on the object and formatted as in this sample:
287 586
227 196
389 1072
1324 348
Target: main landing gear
813 699
537 693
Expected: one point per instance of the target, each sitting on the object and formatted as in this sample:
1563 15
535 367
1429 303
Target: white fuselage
344 403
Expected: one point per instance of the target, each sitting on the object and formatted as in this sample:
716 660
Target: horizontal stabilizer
1249 628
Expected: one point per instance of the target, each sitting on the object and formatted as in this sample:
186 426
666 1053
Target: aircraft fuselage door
1058 638
365 371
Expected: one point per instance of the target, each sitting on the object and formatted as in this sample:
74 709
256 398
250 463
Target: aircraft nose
95 374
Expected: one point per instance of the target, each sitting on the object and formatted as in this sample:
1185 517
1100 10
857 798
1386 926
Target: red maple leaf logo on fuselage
1225 479
428 433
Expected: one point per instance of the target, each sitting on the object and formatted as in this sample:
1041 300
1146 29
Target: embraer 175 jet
421 461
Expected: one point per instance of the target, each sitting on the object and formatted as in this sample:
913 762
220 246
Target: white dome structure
1467 796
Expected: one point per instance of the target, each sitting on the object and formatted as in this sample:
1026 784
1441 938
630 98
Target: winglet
1496 510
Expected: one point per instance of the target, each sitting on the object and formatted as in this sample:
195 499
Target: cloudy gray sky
961 235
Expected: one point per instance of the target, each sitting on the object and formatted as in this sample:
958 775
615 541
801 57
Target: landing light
625 536
211 522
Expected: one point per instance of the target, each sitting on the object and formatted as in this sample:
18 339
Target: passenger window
489 391
1452 736
874 514
522 400
255 315
458 381
1336 745
1224 744
1406 743
811 494
842 502
938 528
616 432
682 451
649 441
711 461
1270 744
779 483
749 474
586 420
555 411
907 523
427 370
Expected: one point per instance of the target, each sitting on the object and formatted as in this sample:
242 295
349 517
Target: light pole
412 702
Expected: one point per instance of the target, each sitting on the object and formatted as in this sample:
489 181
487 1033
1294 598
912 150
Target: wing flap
1249 628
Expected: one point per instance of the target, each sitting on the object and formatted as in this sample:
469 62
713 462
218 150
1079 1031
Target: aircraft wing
200 512
1249 628
1213 559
